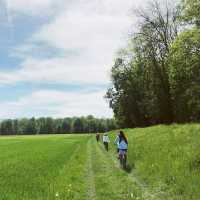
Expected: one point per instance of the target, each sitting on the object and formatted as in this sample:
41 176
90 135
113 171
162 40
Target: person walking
106 141
97 137
117 142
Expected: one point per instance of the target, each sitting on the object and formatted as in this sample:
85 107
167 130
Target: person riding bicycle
122 144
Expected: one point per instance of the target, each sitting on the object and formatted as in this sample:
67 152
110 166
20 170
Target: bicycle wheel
124 162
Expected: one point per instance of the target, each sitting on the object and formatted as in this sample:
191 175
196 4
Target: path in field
91 193
105 180
65 168
147 194
108 182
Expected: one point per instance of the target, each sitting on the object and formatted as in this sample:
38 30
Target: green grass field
166 160
163 162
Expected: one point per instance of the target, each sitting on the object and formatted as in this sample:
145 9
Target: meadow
163 164
59 167
40 167
166 160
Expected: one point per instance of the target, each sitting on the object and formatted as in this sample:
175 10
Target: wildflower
57 195
131 195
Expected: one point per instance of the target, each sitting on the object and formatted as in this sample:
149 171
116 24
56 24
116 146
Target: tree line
49 125
156 78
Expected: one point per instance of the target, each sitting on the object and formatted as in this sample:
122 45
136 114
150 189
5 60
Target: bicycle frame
122 158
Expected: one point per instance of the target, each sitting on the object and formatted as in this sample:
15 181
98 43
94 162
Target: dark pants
123 155
97 137
106 145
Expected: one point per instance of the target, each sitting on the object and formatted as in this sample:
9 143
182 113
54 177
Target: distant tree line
49 125
156 78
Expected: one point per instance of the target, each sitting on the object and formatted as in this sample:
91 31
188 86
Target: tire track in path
147 194
112 183
91 193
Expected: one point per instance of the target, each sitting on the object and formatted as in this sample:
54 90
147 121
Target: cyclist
122 144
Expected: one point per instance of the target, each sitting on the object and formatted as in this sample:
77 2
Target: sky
56 56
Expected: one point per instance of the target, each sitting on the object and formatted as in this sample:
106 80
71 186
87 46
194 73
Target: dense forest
156 78
49 125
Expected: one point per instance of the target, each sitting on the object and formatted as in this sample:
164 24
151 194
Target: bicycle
122 158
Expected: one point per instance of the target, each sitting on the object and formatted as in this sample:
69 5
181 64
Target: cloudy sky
55 55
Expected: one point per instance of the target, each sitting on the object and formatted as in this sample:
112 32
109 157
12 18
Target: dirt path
105 180
147 194
91 193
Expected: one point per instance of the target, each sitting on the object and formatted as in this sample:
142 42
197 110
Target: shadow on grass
128 168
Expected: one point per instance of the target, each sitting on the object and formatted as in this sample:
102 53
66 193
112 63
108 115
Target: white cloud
33 7
57 104
57 70
93 29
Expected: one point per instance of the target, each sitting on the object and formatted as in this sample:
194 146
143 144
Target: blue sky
56 56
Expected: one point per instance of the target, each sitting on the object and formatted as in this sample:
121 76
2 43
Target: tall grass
34 168
164 160
167 159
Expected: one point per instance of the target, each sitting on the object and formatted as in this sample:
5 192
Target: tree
141 90
191 11
7 127
185 76
15 127
31 127
42 128
55 126
92 124
66 125
78 126
49 125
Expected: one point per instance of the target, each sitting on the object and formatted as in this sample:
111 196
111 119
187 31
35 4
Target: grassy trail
146 193
76 167
90 174
109 181
141 189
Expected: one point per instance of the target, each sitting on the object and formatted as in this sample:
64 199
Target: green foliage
7 127
30 127
140 94
184 75
166 159
156 78
191 11
78 125
49 125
